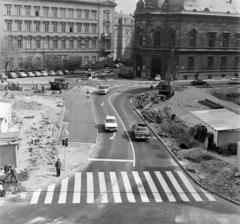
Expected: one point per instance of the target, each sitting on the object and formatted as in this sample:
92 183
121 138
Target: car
103 89
51 73
157 78
66 72
58 72
63 83
12 75
38 74
120 65
198 82
22 75
107 70
79 71
30 74
234 81
44 73
106 73
140 131
110 123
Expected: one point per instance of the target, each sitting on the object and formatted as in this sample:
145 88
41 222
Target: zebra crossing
121 187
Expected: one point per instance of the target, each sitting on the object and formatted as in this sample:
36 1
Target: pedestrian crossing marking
140 187
107 187
77 188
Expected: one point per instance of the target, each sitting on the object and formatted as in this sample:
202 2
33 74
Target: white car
79 71
103 89
44 73
59 72
51 73
234 81
30 74
158 78
110 123
22 75
38 74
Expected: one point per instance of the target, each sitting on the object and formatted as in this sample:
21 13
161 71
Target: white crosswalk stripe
110 187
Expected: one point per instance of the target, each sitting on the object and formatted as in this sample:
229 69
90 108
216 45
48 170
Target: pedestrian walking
7 172
58 167
13 174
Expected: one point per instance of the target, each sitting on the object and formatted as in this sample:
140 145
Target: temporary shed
5 116
224 124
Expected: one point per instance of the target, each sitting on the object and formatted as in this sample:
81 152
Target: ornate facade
60 27
201 37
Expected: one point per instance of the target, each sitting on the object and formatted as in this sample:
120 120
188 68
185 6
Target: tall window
46 44
19 26
79 13
55 25
38 43
94 15
37 13
8 9
45 12
71 44
71 12
94 28
79 28
191 62
28 43
157 38
37 25
106 29
18 8
86 59
28 26
79 44
236 62
9 26
86 28
87 44
210 62
106 16
192 39
172 40
54 10
225 41
63 13
212 40
94 59
224 62
63 27
46 27
19 43
63 44
237 43
55 44
94 46
86 14
28 11
71 28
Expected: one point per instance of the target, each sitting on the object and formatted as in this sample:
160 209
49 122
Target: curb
176 160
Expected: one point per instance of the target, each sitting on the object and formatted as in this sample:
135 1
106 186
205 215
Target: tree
8 53
52 62
73 62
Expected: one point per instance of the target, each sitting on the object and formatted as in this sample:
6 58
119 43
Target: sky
126 6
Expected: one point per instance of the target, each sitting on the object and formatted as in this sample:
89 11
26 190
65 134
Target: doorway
156 67
138 65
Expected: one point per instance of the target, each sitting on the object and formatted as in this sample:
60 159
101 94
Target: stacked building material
210 104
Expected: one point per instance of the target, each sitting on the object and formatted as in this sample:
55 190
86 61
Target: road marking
128 187
115 188
49 195
165 187
90 188
103 188
77 188
113 136
208 195
152 186
189 186
177 186
35 196
63 192
111 160
134 157
140 187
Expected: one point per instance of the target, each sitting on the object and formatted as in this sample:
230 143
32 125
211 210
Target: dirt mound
23 105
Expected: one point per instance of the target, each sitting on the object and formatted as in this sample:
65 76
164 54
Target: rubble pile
141 101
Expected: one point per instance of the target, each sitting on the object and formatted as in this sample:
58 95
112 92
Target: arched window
157 38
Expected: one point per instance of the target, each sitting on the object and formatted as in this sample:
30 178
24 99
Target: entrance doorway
138 65
156 67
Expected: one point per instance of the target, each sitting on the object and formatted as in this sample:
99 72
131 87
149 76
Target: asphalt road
126 181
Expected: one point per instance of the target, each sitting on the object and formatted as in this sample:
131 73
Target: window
45 12
94 28
18 8
71 28
86 59
185 77
46 44
9 26
37 12
46 27
28 11
37 26
172 40
94 15
8 9
106 29
225 42
212 38
19 26
54 10
71 44
79 44
157 38
236 62
210 62
140 40
87 44
55 44
63 44
19 43
106 16
94 59
224 62
63 27
83 44
79 13
223 75
38 43
28 26
86 14
237 44
209 76
55 26
94 46
127 32
86 28
63 13
71 13
79 28
191 63
192 39
28 43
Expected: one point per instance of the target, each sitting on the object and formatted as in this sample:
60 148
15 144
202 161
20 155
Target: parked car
118 65
157 78
234 81
63 83
22 75
79 71
140 131
103 89
106 73
51 73
30 74
44 73
66 72
198 82
58 72
38 74
12 75
110 123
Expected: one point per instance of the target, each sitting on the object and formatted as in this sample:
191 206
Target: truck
59 84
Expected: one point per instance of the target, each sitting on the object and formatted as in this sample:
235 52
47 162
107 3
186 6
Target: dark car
198 82
140 131
63 83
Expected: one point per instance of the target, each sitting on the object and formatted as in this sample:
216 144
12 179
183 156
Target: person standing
7 172
13 173
58 167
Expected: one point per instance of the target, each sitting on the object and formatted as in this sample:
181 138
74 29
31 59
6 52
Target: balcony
106 35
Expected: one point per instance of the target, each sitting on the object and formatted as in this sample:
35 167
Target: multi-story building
60 27
201 37
123 37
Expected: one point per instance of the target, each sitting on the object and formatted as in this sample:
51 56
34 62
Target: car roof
110 117
141 125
